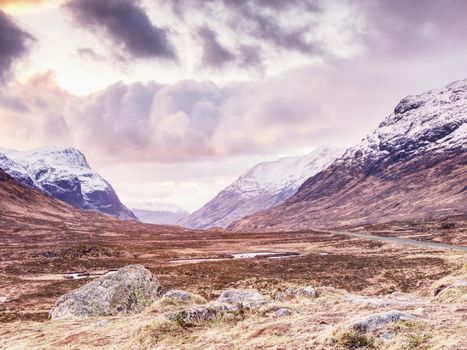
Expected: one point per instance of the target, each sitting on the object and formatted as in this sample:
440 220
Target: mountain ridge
262 186
414 165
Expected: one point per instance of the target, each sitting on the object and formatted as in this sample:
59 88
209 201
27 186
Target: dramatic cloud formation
126 23
14 43
194 120
255 25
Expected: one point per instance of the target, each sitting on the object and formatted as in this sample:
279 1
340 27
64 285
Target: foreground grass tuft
355 340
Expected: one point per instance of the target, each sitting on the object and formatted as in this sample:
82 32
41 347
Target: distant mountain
64 174
158 213
413 166
263 186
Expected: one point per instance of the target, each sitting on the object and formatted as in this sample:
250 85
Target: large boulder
129 290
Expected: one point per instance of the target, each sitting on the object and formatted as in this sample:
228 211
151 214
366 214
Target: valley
31 273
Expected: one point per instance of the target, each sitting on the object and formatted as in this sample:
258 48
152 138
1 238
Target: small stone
246 298
309 292
387 335
283 312
176 294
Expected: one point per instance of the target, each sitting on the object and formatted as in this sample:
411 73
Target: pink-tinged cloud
195 120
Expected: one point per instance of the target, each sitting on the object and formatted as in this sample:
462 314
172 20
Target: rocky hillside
263 186
413 166
65 175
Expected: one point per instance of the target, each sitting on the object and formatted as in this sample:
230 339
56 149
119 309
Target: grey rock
459 284
376 321
245 298
283 312
176 294
129 290
308 292
387 335
291 293
102 323
202 314
285 294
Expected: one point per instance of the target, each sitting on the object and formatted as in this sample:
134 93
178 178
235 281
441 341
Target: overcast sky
171 100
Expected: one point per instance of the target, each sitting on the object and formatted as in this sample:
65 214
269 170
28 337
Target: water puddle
76 275
246 255
85 274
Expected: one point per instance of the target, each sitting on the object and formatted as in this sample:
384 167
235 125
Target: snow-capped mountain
158 213
263 186
64 174
413 166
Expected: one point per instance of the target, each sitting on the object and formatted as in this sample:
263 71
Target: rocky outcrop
231 303
130 290
412 167
374 322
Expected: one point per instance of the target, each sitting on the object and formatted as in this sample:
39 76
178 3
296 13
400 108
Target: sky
171 100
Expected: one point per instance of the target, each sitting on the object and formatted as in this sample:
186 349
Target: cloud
126 23
14 43
214 54
88 53
336 101
32 113
404 28
192 121
252 27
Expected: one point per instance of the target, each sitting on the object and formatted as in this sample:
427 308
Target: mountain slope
263 186
158 213
65 175
413 166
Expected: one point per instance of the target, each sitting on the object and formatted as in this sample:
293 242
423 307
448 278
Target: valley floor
354 277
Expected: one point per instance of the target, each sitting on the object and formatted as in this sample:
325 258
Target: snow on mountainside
64 173
158 213
432 121
263 186
413 166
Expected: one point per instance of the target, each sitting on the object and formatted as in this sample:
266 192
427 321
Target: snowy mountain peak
65 174
263 186
288 172
53 156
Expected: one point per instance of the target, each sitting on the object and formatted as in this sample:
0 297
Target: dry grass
314 324
169 304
